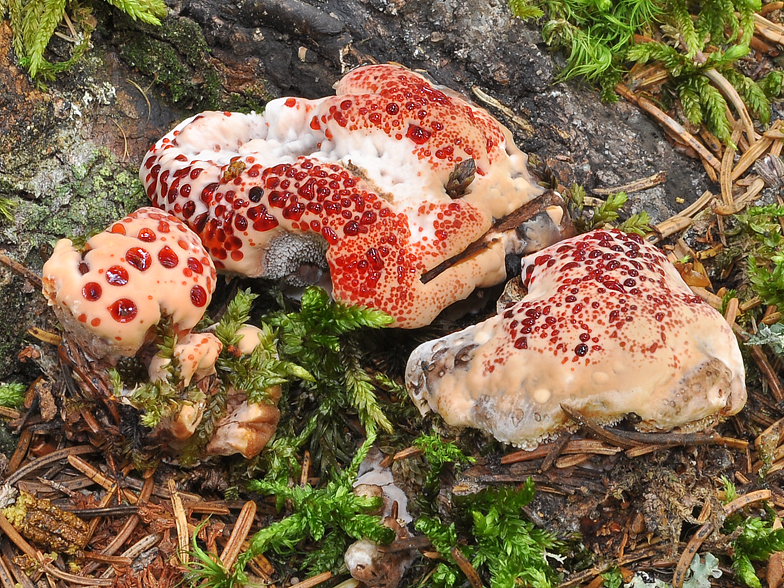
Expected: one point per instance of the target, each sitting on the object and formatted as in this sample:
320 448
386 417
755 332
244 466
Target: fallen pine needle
239 534
314 581
181 520
692 547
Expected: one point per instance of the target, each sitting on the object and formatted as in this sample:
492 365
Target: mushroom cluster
110 295
380 184
607 328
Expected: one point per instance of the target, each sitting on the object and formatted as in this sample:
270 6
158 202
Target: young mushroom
110 296
388 179
607 328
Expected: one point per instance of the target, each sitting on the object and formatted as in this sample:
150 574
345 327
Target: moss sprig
34 22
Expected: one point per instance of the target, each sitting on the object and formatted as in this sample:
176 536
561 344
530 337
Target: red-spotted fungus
608 328
387 179
110 296
195 355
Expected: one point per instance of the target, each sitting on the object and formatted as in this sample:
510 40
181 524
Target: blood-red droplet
83 268
117 275
91 291
168 257
146 235
123 310
117 228
195 265
138 258
417 134
198 296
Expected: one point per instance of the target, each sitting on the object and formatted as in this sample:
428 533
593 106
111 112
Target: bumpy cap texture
608 327
364 171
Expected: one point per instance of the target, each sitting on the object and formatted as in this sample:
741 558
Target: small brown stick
21 270
745 500
732 311
633 556
669 227
750 303
5 576
596 429
45 336
646 449
768 30
771 377
9 413
303 476
466 567
510 221
573 446
141 546
692 547
671 124
571 461
23 580
59 488
181 521
768 8
239 534
753 154
751 193
115 560
42 462
214 508
96 476
490 101
21 450
707 296
629 439
406 453
636 186
725 173
555 451
134 551
314 581
108 511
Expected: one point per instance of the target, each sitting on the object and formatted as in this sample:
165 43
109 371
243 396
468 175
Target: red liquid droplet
123 310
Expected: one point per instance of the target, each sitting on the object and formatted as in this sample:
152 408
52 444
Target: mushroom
247 426
110 296
607 328
390 177
196 354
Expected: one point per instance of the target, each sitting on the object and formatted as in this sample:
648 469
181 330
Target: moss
176 56
94 193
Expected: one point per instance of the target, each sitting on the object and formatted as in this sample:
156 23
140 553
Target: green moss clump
176 56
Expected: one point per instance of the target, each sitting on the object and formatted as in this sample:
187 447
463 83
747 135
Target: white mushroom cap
110 297
196 354
364 172
608 327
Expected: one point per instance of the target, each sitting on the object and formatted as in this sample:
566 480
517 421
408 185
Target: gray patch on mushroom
297 260
537 233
